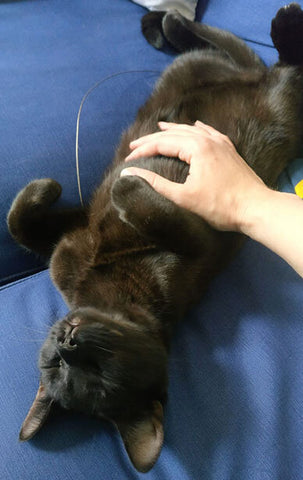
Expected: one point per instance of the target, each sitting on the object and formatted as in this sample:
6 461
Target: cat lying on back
131 263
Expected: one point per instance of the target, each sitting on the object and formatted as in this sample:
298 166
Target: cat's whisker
104 349
36 330
27 340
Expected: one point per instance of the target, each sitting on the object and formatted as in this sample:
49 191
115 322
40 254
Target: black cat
131 263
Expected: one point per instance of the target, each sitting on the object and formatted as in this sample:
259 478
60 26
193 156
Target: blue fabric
236 384
249 20
291 176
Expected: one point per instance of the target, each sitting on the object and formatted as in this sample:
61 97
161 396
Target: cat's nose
66 339
74 321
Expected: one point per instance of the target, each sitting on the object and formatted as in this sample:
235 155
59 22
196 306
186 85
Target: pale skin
223 189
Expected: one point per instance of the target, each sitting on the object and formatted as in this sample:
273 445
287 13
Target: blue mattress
235 404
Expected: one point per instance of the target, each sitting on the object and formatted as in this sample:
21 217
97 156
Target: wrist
255 211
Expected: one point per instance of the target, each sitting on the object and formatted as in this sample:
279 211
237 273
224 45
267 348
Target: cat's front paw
36 196
128 197
287 34
41 192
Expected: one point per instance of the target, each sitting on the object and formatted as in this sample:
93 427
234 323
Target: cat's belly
149 279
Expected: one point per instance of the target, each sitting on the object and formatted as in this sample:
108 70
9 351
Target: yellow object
299 189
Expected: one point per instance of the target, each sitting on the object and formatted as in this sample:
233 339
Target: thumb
170 190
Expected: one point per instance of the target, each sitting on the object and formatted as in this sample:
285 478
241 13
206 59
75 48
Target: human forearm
275 219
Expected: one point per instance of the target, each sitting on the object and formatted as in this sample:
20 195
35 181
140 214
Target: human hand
220 186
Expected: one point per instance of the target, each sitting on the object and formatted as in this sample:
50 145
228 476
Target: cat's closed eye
55 363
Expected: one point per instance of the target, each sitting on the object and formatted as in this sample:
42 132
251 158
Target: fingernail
134 143
131 156
127 171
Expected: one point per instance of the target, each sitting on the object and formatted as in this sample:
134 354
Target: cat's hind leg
32 222
185 35
151 26
157 218
287 34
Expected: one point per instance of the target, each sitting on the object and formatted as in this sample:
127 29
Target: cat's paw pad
287 34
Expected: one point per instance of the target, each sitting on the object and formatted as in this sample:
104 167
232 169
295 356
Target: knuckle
198 143
153 180
226 139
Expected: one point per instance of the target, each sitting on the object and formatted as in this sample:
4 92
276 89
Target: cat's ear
143 439
37 415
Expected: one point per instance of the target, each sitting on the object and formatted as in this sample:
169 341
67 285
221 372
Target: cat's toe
287 34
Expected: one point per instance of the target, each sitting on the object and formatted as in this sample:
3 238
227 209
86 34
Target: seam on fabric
19 276
287 174
22 280
258 43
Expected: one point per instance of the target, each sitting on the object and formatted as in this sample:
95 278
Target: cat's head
107 365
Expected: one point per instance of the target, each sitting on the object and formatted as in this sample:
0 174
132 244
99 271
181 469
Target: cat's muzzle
66 338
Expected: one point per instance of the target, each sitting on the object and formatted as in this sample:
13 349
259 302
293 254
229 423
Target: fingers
174 140
207 128
166 128
165 187
197 127
181 127
171 145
